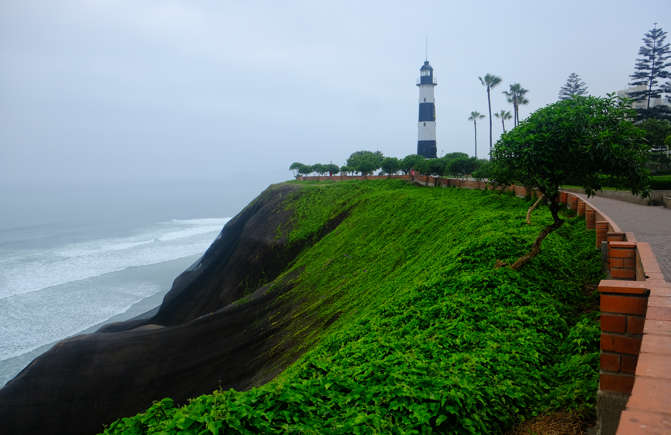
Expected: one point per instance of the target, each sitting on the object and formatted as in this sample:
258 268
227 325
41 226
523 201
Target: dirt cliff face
212 330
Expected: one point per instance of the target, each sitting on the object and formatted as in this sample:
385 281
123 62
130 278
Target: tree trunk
536 247
489 105
652 73
503 124
517 121
532 208
475 128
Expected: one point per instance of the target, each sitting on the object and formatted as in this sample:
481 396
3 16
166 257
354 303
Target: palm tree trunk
489 105
503 124
475 128
517 118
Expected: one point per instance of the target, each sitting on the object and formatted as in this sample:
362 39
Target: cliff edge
199 340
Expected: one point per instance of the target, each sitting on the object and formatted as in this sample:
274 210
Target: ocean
61 279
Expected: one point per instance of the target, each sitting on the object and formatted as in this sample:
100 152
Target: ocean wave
42 317
36 269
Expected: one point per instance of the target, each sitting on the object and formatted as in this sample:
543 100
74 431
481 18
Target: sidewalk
649 224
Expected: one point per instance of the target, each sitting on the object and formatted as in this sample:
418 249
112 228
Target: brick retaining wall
635 305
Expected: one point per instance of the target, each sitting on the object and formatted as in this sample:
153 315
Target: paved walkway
649 224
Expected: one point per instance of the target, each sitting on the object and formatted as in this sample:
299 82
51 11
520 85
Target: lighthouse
426 129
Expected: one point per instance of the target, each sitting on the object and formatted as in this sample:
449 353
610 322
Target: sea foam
31 270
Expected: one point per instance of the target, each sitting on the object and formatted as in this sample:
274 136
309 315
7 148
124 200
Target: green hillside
425 334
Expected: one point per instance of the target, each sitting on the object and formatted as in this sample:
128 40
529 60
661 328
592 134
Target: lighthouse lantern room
426 130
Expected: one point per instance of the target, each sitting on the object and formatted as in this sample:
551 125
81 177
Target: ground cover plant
430 336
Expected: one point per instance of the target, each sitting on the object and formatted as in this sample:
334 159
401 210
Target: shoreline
162 273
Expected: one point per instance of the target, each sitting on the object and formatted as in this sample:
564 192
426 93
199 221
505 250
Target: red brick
623 244
623 273
615 237
635 324
610 362
620 343
601 232
617 262
627 287
590 218
613 323
623 304
628 364
619 383
621 252
622 263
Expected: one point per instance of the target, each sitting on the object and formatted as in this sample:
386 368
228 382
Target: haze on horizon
100 97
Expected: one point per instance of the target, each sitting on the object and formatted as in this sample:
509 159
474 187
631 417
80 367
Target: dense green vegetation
660 182
657 182
430 336
367 162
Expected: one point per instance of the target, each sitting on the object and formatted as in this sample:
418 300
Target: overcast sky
111 91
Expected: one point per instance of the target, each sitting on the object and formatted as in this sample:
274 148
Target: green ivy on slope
430 336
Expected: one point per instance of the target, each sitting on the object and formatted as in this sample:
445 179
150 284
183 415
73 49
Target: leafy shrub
430 337
660 182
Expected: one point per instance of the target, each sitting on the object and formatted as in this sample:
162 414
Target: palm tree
520 102
489 82
503 115
516 96
474 117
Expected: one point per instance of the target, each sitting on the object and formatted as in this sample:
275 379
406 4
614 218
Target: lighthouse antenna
426 48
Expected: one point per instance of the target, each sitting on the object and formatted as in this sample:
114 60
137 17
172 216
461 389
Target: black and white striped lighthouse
426 130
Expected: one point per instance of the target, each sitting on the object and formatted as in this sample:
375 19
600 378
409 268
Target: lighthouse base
427 148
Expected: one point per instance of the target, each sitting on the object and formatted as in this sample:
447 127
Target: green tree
484 170
390 165
435 167
463 166
319 168
304 170
657 136
503 115
409 162
453 156
515 96
422 166
651 66
581 141
365 161
489 82
474 117
332 168
346 170
574 86
295 166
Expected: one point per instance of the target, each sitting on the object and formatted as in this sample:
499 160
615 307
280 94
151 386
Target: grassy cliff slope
423 333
